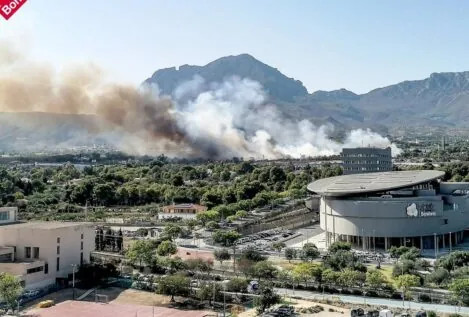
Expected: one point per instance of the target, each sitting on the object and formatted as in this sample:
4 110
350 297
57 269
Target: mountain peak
278 86
340 94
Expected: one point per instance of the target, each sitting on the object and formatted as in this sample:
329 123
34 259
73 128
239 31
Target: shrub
46 304
425 298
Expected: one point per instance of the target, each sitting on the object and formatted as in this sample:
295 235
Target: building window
58 239
82 236
81 246
58 249
58 265
36 252
35 270
81 258
46 268
445 221
4 215
27 252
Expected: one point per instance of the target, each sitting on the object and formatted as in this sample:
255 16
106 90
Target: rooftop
371 182
45 224
186 206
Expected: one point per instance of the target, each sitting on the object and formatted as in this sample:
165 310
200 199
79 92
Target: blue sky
329 44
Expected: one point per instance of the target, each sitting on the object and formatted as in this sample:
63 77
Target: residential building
185 211
43 253
366 160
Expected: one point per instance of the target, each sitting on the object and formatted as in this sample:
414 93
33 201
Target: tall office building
366 160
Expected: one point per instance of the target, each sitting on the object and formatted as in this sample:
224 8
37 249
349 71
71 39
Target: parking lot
263 241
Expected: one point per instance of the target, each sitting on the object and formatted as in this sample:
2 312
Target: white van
385 313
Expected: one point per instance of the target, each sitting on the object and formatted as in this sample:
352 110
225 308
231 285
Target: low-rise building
186 211
43 253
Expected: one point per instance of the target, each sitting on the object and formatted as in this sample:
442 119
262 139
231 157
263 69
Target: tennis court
91 309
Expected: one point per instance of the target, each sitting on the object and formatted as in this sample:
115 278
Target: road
374 301
307 232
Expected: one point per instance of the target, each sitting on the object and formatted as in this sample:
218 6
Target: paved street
374 301
307 233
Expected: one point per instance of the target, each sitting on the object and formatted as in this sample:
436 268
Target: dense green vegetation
225 187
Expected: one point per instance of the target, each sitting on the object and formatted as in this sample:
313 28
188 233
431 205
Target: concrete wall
176 215
46 239
388 217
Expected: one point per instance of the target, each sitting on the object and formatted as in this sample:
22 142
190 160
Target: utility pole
73 279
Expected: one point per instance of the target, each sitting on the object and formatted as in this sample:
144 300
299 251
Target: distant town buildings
366 160
186 211
43 253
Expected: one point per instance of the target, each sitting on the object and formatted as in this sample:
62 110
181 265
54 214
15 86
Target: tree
237 285
278 246
93 274
222 255
265 269
375 279
252 254
241 214
305 271
406 281
172 231
330 277
226 238
210 291
310 252
174 285
141 252
290 254
350 278
438 277
339 245
206 216
460 290
166 248
267 298
10 289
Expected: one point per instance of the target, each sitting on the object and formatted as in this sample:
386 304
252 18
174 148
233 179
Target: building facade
380 210
366 160
185 211
44 253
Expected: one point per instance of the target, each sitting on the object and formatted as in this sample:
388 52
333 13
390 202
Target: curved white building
378 210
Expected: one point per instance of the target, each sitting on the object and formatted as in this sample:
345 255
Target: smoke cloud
209 120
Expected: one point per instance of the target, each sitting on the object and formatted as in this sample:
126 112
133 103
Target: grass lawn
387 272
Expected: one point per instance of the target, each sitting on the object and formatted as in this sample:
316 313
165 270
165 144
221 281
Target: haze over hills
440 100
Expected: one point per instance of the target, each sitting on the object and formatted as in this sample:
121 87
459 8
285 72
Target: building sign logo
420 210
9 7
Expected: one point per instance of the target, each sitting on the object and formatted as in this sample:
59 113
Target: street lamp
73 279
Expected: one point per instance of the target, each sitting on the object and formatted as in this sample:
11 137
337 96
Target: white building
42 253
184 211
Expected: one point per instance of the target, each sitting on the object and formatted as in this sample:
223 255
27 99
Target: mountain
278 86
432 104
439 100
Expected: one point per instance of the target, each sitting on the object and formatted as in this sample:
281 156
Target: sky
358 45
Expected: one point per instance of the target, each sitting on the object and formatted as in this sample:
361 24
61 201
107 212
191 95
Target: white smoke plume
234 116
